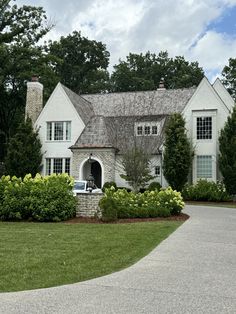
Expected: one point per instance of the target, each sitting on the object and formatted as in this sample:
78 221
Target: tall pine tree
24 151
227 159
177 152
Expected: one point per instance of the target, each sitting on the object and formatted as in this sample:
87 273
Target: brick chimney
34 99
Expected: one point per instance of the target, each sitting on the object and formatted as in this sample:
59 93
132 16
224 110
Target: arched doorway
92 166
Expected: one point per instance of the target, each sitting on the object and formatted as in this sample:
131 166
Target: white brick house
88 133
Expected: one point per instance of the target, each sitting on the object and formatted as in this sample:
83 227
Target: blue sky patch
226 23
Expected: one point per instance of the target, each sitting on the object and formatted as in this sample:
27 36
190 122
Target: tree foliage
82 63
24 152
20 58
229 77
227 158
144 72
135 162
177 152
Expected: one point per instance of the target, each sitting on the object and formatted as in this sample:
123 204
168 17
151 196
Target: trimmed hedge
143 205
205 190
48 198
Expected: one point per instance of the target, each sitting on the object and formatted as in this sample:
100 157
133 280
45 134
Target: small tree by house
177 152
135 162
227 158
24 151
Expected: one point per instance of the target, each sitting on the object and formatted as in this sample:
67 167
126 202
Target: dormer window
147 128
59 131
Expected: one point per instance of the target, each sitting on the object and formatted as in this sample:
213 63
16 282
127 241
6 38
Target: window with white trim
204 167
204 128
147 128
59 131
57 165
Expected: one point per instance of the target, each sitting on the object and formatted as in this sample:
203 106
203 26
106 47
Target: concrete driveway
193 271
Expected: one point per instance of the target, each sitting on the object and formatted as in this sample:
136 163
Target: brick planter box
88 204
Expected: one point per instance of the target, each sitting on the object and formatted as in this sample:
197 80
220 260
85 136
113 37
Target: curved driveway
193 271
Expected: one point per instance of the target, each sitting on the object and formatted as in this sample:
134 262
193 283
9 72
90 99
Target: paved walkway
193 271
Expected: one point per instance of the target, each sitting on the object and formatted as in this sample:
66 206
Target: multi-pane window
204 128
67 165
59 131
147 130
157 170
204 166
139 130
57 165
154 129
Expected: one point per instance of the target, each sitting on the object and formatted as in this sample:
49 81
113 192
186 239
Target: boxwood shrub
46 198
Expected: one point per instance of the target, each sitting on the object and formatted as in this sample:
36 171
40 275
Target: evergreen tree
24 151
227 159
177 153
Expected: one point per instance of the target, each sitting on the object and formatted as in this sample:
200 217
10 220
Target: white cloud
178 26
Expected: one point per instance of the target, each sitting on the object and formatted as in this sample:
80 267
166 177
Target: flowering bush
148 204
205 190
40 198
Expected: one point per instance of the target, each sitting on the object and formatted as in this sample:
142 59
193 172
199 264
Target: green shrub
205 190
108 207
108 185
154 186
148 204
47 198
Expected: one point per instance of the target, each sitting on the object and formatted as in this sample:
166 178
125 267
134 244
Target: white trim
82 165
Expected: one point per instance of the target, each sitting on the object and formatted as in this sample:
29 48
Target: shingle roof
119 133
94 134
83 107
145 103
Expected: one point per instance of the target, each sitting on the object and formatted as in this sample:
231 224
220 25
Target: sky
199 30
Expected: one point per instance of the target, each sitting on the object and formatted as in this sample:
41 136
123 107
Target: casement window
59 131
204 167
147 128
157 171
204 128
154 130
139 130
57 165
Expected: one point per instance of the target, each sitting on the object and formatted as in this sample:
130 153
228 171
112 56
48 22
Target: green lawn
214 204
37 255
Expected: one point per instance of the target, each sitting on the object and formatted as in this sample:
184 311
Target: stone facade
88 205
34 100
105 156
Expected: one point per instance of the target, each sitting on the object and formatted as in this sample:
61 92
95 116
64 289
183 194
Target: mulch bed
78 220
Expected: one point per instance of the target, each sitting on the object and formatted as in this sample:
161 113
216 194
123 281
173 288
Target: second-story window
59 131
204 128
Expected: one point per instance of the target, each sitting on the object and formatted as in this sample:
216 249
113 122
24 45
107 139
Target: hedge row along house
83 134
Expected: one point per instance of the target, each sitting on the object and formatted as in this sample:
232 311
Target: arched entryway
92 166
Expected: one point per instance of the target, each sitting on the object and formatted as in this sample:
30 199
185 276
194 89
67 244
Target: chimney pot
34 78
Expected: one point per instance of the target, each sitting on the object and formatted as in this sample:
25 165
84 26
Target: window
59 131
48 166
204 167
157 170
154 129
147 130
57 165
204 128
139 130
